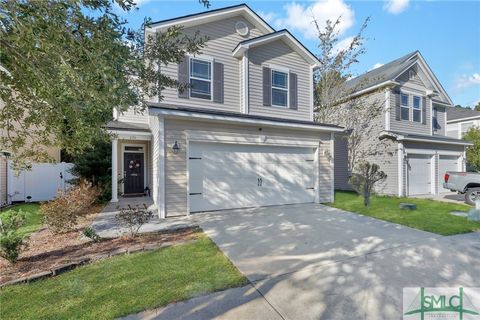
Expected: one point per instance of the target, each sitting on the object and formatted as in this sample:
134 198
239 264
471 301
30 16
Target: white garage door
446 163
419 174
226 176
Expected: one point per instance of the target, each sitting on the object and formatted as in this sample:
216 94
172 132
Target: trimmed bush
10 239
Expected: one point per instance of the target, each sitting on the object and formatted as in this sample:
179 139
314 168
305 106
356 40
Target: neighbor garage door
419 174
226 176
446 163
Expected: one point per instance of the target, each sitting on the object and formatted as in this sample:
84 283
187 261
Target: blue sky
447 33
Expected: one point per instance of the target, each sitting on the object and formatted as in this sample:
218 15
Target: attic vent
241 28
411 75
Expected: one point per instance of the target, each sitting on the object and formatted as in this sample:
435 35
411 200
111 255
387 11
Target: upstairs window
200 79
417 109
279 88
464 127
405 109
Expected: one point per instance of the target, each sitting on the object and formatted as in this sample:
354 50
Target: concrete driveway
315 262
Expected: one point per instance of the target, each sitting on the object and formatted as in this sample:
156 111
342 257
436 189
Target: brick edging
93 258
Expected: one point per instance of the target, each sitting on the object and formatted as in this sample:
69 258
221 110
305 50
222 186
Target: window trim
405 107
462 133
420 108
287 89
202 59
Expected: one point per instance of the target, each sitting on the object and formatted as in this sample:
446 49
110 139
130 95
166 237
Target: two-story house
242 135
416 151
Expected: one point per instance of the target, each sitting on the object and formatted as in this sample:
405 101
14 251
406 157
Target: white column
114 171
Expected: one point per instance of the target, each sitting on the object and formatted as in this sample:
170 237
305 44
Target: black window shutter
424 110
267 86
183 77
293 88
217 82
398 107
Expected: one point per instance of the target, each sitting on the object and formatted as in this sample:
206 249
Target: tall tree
336 102
67 64
477 107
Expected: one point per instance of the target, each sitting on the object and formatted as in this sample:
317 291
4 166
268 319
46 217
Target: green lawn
33 220
432 216
122 285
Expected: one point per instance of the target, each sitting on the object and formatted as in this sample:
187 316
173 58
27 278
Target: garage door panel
419 174
227 176
446 163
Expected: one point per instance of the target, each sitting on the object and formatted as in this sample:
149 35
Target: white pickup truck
467 183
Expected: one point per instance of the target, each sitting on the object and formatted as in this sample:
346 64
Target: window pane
200 69
465 126
416 102
279 79
279 97
404 100
405 114
200 89
417 115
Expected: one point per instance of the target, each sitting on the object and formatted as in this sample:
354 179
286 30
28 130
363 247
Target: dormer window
405 113
417 109
279 88
200 79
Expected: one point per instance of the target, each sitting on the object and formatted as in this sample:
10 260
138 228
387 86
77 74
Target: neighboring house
459 120
416 152
243 135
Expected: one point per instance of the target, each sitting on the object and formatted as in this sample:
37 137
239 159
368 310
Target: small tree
364 178
134 218
10 239
473 152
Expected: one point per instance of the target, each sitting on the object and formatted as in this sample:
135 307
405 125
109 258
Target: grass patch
32 214
433 216
126 284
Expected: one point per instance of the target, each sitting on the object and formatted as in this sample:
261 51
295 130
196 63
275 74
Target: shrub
61 213
134 218
364 178
90 233
10 239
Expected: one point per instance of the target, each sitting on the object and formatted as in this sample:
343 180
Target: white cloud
377 65
466 81
396 6
267 16
141 2
300 17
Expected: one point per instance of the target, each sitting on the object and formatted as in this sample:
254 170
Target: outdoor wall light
175 147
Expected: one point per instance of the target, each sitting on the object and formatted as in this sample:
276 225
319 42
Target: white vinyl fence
41 183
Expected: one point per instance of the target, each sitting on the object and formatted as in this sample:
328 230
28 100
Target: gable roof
214 15
389 72
284 35
459 113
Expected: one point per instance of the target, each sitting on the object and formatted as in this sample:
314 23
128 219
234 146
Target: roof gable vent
241 28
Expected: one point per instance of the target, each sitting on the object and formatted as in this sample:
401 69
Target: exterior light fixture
175 147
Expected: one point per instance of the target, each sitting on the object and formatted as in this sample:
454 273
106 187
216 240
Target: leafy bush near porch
61 213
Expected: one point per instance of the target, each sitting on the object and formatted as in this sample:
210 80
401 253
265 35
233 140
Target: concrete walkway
315 262
107 226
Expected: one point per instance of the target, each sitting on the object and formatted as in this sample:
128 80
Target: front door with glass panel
133 173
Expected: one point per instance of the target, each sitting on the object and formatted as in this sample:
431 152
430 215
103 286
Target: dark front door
134 172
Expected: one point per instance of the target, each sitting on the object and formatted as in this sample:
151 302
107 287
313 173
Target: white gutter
372 88
464 119
400 137
223 118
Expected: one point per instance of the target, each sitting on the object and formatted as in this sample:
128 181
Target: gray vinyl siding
441 115
133 115
404 77
408 126
273 54
342 173
222 40
176 164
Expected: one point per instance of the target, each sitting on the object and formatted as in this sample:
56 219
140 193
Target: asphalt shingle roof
454 113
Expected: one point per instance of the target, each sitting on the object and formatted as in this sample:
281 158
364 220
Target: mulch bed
47 251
